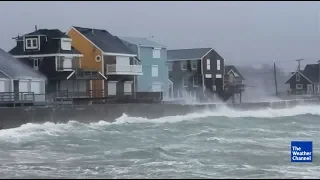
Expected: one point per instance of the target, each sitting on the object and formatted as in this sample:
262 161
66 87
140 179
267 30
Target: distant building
153 57
197 73
19 83
233 83
305 81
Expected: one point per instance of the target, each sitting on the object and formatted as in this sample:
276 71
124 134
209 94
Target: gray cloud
242 32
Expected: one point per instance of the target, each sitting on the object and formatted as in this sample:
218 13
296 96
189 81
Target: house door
23 89
112 88
309 89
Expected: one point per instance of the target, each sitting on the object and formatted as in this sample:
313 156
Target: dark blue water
218 144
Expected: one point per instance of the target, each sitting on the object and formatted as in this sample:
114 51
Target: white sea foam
53 129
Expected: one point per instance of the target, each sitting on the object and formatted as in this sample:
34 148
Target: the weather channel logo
301 151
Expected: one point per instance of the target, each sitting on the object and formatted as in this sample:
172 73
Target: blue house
153 57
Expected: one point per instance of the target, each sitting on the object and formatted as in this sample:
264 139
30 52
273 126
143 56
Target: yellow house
107 54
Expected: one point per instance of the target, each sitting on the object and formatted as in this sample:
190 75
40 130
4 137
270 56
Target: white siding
36 87
2 86
112 88
154 70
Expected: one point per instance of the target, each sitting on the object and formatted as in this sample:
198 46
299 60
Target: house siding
209 82
145 81
302 81
88 61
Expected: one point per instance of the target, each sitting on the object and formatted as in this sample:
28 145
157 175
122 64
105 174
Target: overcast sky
241 32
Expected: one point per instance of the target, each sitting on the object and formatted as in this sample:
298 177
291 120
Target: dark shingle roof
196 53
311 71
234 69
104 40
16 69
17 51
52 33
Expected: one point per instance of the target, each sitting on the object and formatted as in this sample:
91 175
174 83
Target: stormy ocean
224 143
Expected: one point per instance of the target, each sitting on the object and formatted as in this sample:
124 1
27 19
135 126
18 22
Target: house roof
3 75
179 54
302 74
52 33
142 42
234 69
16 69
312 72
104 40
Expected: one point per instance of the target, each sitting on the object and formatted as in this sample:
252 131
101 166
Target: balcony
117 69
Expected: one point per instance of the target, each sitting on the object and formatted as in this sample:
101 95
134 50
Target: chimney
36 27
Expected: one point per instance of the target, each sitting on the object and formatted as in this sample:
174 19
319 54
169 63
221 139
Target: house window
218 76
185 81
195 81
318 88
170 66
218 65
183 65
36 64
309 88
127 88
156 52
208 64
298 86
66 44
194 65
154 71
297 76
31 43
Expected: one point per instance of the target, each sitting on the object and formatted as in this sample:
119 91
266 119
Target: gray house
19 82
153 57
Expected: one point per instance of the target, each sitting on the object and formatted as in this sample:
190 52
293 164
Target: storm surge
221 143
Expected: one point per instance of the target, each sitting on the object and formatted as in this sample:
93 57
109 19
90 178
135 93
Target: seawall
15 117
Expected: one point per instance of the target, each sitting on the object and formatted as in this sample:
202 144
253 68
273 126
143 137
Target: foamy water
224 143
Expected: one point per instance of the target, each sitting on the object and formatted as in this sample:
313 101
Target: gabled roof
142 42
184 54
18 51
301 73
234 69
15 69
52 33
104 40
312 72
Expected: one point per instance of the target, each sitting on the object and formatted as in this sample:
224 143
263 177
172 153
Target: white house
18 81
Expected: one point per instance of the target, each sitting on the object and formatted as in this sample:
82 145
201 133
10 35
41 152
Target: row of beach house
87 64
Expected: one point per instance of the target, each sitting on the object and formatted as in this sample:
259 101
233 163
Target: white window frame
194 63
299 86
156 53
218 76
208 64
182 63
197 80
218 65
298 77
309 88
153 72
183 82
170 66
33 46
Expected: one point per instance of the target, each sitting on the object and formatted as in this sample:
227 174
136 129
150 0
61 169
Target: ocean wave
59 129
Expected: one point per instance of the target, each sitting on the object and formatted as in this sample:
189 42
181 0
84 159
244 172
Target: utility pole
275 77
298 69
